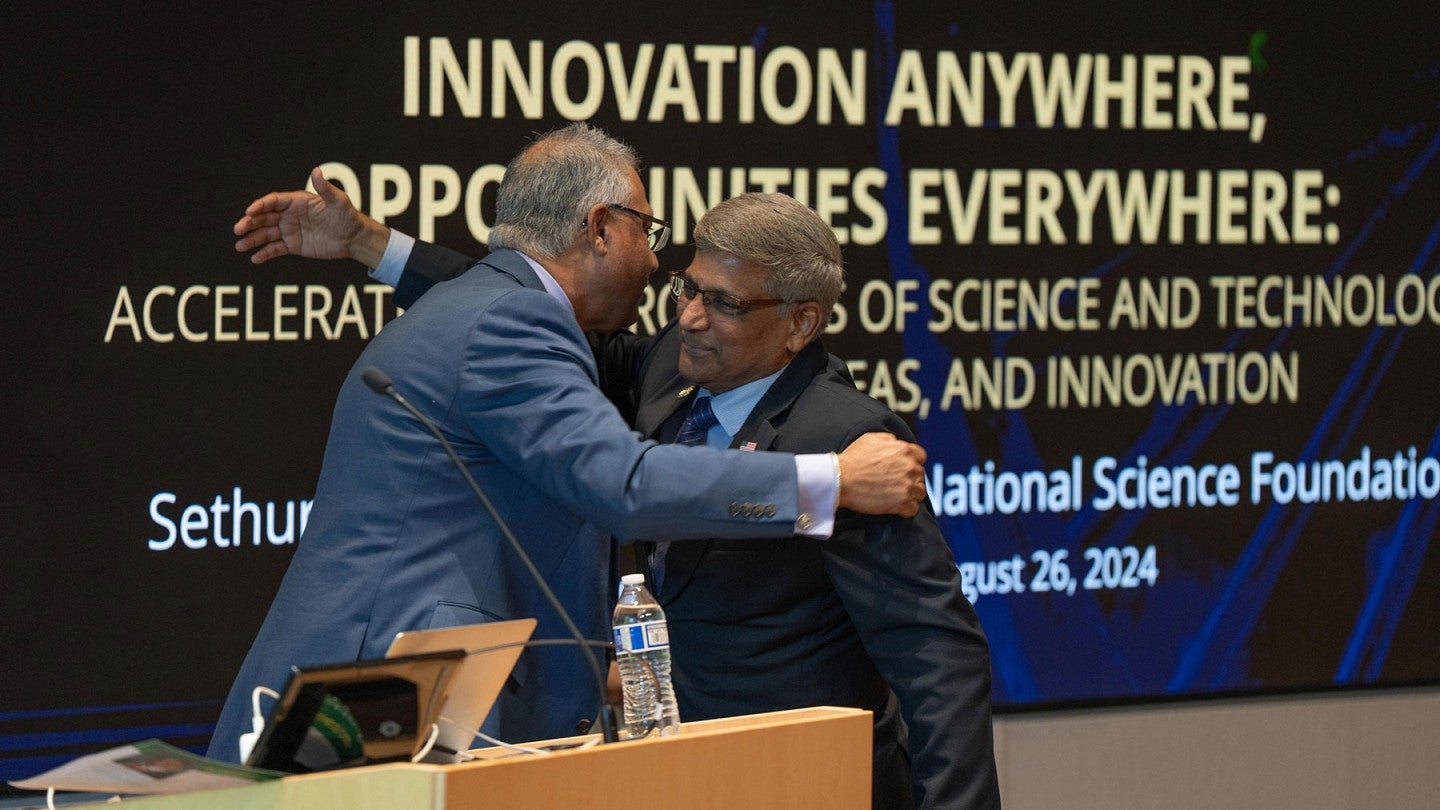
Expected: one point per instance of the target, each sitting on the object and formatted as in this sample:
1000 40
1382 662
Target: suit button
734 510
769 510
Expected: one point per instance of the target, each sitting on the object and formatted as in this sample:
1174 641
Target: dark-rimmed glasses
657 230
684 290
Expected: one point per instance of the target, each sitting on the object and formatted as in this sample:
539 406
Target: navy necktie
696 426
693 431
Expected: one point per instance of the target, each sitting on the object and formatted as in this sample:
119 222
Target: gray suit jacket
396 541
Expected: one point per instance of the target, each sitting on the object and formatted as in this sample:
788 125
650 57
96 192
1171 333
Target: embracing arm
319 225
324 224
527 395
427 265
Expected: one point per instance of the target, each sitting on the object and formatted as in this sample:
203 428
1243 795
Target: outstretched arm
319 225
324 224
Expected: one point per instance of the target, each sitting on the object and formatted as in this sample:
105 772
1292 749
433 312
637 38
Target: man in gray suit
395 540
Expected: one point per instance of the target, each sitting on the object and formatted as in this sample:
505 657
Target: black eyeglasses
685 290
657 231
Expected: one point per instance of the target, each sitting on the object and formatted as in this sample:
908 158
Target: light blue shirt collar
551 285
733 407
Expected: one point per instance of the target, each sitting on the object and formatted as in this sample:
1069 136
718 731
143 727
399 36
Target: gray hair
551 185
779 232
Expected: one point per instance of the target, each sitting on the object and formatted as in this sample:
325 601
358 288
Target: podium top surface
803 758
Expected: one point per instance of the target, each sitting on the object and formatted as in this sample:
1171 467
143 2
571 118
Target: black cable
379 382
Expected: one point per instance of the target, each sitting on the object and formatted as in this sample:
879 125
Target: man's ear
597 226
805 325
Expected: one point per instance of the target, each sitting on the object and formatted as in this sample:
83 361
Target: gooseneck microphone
379 382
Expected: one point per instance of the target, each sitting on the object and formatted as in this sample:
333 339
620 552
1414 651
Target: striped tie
697 425
693 432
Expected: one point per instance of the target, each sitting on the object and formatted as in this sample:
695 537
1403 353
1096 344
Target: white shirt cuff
817 496
392 264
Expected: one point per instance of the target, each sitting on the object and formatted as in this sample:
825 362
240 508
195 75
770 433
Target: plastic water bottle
642 650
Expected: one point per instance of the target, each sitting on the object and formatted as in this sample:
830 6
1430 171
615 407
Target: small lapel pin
685 392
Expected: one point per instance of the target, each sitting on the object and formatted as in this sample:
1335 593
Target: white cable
430 743
257 721
255 701
50 798
460 756
513 747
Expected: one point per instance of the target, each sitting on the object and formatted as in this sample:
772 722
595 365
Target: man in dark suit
395 540
873 617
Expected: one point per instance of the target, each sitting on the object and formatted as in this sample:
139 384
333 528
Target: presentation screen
1158 293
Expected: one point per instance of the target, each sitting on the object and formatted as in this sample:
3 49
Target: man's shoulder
830 389
485 285
510 263
831 406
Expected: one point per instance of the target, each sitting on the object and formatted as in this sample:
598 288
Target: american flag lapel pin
748 447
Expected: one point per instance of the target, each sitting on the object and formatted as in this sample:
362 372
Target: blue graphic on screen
1204 623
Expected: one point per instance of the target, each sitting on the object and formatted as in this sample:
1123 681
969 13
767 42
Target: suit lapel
759 427
682 559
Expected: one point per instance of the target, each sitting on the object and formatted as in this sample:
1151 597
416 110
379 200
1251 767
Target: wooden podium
816 758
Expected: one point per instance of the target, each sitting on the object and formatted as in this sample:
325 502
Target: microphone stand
379 382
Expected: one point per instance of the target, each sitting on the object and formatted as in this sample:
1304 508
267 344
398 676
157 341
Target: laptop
493 648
